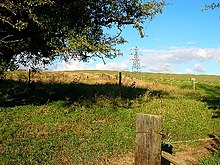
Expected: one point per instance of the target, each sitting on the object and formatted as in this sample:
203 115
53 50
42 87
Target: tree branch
7 42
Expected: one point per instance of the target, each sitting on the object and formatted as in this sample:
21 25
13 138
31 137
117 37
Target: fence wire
168 137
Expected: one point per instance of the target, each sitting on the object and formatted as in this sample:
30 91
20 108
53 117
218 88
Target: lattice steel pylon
136 66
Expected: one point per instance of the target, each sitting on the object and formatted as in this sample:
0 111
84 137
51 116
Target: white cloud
199 68
165 60
91 65
112 66
71 65
190 43
182 54
162 69
218 59
172 60
188 71
204 54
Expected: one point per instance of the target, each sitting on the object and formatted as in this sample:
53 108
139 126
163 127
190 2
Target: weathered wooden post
119 79
148 140
119 83
194 83
170 158
29 76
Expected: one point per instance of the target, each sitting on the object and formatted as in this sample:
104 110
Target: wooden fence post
119 79
119 83
148 140
29 76
172 159
194 83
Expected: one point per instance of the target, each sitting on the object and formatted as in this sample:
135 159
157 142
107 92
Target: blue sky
182 39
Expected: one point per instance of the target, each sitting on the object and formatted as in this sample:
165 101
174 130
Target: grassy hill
85 117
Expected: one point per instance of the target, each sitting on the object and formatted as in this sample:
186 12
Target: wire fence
168 137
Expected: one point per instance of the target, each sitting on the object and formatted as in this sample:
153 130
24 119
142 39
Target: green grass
212 159
58 123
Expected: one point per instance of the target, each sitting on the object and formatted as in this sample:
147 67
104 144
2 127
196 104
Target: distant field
85 117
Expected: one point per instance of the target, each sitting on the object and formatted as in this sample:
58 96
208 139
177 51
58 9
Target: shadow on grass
214 147
212 99
14 93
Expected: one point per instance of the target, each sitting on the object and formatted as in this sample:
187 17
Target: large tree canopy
212 6
39 30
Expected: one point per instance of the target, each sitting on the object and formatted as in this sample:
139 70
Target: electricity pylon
136 66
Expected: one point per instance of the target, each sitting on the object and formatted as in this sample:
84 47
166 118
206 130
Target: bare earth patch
191 155
188 154
121 160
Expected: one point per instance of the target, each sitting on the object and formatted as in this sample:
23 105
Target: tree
212 6
40 30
